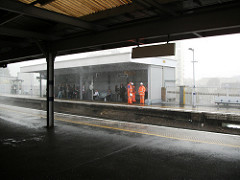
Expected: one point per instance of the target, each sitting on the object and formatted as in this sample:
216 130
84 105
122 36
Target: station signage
154 51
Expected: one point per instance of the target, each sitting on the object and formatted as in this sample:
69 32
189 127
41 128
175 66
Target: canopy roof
77 8
116 60
29 28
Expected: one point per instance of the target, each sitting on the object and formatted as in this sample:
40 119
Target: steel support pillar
50 56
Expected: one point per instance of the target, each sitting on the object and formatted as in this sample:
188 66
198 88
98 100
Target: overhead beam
223 21
199 2
12 43
44 2
12 16
197 34
128 8
210 21
158 6
8 18
28 10
21 54
25 34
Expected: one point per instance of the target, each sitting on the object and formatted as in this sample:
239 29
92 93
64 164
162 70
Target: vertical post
163 88
40 81
50 89
92 88
149 100
109 81
182 96
163 81
194 86
81 87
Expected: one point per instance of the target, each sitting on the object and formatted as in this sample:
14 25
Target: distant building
104 72
180 64
29 84
233 82
5 81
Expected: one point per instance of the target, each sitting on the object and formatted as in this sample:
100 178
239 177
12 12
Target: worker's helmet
141 83
131 83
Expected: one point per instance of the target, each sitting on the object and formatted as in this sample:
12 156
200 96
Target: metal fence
204 95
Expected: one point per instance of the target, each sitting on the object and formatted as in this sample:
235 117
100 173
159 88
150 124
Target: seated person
96 95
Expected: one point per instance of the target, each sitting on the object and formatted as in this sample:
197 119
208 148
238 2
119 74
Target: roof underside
77 8
28 28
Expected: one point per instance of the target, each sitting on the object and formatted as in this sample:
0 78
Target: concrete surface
92 148
200 118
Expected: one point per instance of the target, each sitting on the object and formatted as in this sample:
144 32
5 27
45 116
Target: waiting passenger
59 91
96 95
109 95
117 93
122 92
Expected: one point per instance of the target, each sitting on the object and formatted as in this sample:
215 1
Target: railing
204 95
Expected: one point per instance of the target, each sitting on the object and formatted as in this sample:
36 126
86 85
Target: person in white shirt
96 95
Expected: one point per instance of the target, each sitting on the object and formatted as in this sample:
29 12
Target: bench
227 100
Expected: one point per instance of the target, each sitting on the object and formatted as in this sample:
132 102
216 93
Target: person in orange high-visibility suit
130 92
141 92
134 94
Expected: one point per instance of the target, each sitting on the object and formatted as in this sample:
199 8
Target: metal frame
141 22
24 9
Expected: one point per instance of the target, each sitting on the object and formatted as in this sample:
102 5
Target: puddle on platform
14 142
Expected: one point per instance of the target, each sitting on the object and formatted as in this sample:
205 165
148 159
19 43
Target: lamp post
194 87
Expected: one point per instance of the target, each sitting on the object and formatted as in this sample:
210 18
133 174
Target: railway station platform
80 147
215 119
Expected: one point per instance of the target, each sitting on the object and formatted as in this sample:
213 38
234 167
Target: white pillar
149 85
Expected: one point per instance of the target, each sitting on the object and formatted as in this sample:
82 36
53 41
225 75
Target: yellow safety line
158 135
127 130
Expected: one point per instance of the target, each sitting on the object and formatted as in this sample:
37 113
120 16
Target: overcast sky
217 56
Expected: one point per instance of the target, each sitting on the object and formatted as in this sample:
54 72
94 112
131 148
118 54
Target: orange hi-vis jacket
141 90
129 89
134 94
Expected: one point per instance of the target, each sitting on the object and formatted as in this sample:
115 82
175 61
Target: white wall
154 84
159 77
169 76
30 84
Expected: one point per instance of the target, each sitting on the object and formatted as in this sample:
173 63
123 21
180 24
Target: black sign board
154 51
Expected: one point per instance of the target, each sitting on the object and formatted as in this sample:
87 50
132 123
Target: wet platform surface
91 148
219 109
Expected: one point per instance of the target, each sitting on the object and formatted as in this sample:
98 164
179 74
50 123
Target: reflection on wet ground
31 119
14 142
91 148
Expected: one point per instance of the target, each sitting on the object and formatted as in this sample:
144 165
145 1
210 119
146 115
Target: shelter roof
31 28
77 8
117 59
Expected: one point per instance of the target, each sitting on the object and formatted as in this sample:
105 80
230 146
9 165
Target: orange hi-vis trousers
141 99
134 97
130 100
